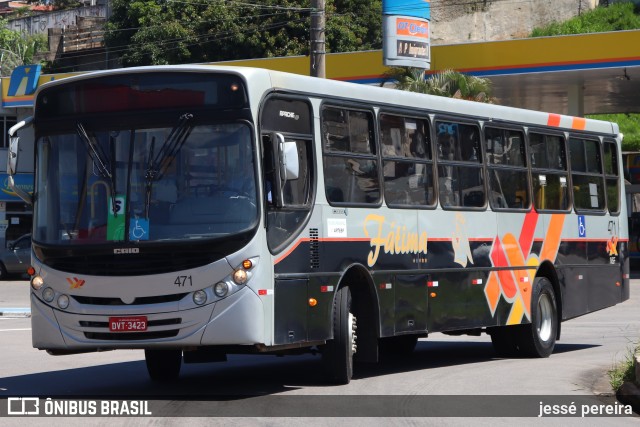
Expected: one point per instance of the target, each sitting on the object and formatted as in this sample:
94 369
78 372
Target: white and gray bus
201 211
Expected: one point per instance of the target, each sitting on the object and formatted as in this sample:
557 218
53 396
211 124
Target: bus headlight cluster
49 295
230 284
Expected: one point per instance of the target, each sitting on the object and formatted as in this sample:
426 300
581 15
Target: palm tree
449 83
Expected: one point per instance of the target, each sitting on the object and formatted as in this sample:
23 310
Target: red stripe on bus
553 120
528 230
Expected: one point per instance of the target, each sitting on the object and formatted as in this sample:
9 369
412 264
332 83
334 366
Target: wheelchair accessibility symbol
139 229
582 226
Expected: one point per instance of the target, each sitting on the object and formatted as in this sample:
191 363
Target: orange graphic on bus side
515 285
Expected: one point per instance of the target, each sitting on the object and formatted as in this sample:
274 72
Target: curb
15 312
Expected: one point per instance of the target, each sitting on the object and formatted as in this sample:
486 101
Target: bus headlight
221 289
200 297
37 282
240 277
63 301
48 294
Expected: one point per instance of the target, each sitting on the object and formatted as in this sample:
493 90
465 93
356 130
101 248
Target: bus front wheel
163 365
337 354
539 338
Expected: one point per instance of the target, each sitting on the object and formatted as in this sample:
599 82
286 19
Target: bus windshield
176 182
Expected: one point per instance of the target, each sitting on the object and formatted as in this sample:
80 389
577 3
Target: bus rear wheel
538 338
337 354
163 365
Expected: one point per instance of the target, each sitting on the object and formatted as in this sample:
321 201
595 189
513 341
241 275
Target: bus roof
380 96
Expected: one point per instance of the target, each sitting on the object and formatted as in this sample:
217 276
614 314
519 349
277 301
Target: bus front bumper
235 320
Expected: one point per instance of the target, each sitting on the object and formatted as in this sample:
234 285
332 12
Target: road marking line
9 330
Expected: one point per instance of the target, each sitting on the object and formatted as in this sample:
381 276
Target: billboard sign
406 34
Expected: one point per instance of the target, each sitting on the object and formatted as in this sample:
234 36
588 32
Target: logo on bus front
121 251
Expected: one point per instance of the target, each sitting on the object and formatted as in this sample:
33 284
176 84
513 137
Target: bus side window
349 156
586 174
611 172
460 174
407 163
549 172
507 168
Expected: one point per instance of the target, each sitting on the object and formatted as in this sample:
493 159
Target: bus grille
131 264
138 301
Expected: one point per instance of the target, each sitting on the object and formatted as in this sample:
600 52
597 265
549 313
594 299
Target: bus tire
504 340
538 338
337 354
163 365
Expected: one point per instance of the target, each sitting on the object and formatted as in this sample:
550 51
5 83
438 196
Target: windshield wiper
105 168
159 164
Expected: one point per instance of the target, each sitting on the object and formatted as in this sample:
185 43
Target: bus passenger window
549 172
507 169
460 174
350 160
408 168
586 174
611 172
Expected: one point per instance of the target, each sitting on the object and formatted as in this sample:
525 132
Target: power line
279 11
118 49
216 37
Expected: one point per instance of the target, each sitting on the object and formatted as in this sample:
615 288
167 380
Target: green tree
617 17
148 32
449 83
17 49
629 125
66 4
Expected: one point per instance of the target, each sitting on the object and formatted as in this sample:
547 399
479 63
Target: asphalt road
442 369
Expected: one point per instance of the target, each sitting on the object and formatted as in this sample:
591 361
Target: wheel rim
545 319
352 333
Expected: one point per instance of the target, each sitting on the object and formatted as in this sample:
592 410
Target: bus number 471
182 281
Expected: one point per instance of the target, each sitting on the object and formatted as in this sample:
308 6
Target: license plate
128 324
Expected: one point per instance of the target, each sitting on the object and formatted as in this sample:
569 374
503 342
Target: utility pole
317 45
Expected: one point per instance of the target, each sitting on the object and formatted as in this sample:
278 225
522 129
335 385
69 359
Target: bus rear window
142 92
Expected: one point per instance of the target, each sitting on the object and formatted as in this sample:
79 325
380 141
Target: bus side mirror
14 147
12 155
290 160
286 165
12 159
